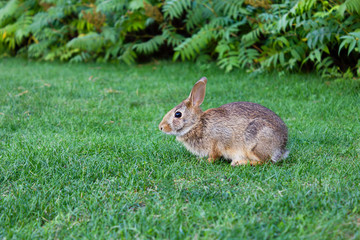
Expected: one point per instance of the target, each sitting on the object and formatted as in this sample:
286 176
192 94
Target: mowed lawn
81 156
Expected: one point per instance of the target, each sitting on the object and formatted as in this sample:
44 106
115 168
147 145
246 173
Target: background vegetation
81 156
80 152
288 35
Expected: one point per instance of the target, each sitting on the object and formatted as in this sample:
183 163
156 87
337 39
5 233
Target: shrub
290 35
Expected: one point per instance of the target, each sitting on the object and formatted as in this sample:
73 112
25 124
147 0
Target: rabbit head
180 120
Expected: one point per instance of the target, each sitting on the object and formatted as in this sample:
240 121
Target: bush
253 34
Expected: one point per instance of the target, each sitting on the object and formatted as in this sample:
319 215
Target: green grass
81 156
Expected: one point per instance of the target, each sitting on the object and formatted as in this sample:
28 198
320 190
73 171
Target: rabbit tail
279 155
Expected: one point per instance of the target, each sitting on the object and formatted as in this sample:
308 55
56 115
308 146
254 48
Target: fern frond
303 6
247 56
251 37
298 52
231 8
136 5
149 46
61 53
220 22
192 46
67 9
351 41
11 10
172 38
229 32
234 58
268 17
128 55
67 54
37 50
111 6
47 33
223 48
272 58
43 19
196 17
282 8
229 62
317 36
353 6
22 27
81 57
90 42
110 34
174 8
324 67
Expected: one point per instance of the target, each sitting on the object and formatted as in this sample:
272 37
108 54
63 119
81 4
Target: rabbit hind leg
214 154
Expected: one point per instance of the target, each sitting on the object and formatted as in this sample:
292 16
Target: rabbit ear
197 94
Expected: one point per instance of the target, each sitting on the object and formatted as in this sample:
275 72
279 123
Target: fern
8 12
40 21
113 50
220 22
89 42
191 46
229 61
22 28
298 52
39 49
353 6
128 55
325 69
172 38
303 6
289 35
110 34
174 8
223 48
274 58
111 6
247 57
136 5
230 57
132 22
197 17
251 37
352 41
150 46
317 36
231 8
81 57
14 34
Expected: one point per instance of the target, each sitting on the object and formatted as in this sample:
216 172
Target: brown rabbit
243 132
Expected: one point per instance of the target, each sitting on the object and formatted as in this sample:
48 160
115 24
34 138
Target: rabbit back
239 131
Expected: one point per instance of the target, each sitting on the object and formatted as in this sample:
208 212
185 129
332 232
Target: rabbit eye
178 114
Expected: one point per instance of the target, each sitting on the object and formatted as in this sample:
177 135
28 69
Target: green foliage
150 46
352 6
291 35
174 8
352 40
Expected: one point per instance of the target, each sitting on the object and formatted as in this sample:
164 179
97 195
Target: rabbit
243 132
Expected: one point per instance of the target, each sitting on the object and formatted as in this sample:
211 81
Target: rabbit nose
164 127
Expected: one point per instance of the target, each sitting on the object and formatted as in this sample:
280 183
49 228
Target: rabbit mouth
167 129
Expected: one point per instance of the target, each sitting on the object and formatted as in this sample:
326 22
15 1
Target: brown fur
244 132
